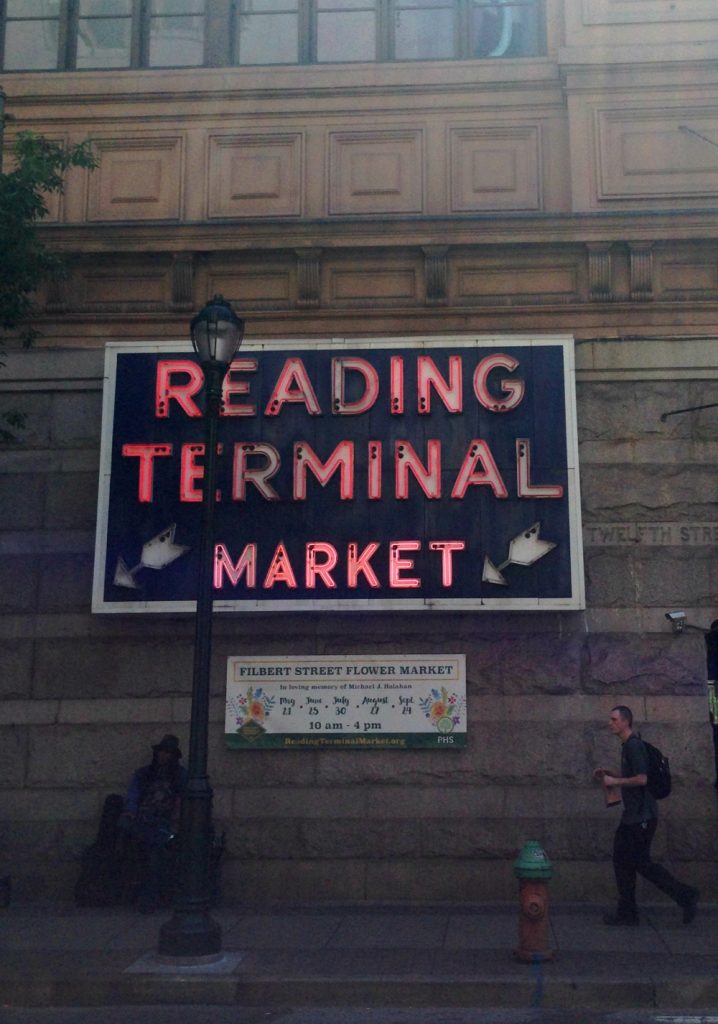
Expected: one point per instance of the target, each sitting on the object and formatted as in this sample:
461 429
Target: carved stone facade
577 192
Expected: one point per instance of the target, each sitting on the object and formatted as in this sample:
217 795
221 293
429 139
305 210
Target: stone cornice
142 87
385 233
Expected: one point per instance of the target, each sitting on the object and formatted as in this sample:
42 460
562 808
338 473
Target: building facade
376 170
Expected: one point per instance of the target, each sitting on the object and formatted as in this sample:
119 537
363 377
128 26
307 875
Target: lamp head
217 332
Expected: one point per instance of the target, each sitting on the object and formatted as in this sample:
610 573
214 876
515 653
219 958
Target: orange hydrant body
533 869
534 941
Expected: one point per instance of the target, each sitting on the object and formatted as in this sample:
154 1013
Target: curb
43 989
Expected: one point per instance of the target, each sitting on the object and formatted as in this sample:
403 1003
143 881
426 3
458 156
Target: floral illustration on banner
443 709
254 706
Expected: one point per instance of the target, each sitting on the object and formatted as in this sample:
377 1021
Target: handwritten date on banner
364 702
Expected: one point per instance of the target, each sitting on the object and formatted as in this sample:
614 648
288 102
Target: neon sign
396 473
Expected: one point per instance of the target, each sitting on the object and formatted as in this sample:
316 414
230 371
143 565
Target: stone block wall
82 697
365 825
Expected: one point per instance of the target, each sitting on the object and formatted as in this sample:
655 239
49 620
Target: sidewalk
329 955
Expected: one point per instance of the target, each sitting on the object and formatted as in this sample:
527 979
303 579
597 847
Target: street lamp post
191 932
2 124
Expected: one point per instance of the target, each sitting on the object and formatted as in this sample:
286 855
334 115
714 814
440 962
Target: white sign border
316 681
577 600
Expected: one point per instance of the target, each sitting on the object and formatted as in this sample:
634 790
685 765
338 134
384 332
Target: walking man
632 842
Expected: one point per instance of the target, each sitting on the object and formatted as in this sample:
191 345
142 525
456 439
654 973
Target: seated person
151 816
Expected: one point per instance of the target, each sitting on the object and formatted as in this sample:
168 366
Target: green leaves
25 262
15 421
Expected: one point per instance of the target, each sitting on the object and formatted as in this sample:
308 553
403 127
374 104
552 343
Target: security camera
677 621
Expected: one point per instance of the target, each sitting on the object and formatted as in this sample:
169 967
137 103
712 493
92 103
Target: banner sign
363 702
387 474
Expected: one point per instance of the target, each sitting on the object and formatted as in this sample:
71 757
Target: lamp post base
192 934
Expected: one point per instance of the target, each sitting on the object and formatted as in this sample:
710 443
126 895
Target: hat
169 743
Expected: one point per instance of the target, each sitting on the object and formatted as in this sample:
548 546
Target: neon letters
385 471
255 464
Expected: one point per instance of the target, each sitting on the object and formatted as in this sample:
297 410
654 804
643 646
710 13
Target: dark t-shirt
638 804
152 798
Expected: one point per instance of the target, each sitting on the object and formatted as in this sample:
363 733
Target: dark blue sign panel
397 473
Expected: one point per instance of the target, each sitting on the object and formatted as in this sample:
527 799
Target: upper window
61 34
104 34
38 35
31 34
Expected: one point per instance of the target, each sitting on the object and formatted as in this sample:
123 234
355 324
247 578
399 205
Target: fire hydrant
533 868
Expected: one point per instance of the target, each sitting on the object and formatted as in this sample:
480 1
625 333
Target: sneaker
690 906
620 920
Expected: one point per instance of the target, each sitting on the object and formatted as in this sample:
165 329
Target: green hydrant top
532 862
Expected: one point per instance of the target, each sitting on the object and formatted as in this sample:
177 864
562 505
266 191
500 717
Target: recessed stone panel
649 154
270 288
688 280
621 12
255 175
496 285
494 169
376 172
139 290
347 287
137 179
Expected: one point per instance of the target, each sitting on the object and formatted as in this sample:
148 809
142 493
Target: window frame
62 22
72 26
221 37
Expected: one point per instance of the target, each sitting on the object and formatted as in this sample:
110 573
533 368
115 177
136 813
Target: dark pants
153 871
631 856
157 876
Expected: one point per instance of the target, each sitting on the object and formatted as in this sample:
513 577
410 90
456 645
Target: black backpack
101 880
659 772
